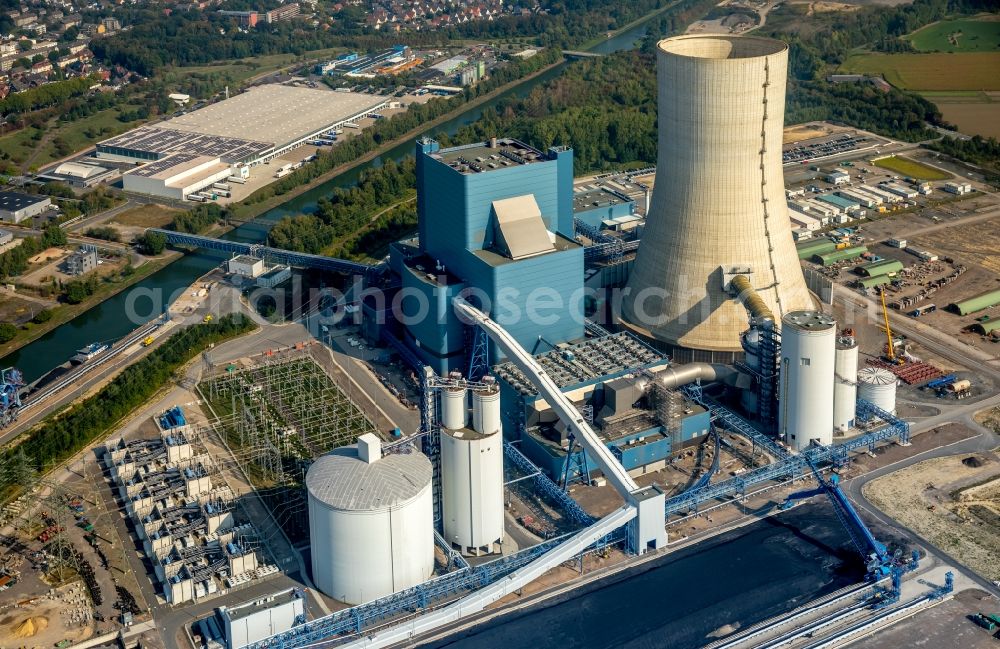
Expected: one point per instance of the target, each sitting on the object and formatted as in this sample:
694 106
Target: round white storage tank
371 523
878 386
845 390
453 413
805 411
472 489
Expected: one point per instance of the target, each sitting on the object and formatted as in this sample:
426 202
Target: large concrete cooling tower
718 206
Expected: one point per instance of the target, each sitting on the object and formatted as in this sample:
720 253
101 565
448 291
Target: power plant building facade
718 206
496 225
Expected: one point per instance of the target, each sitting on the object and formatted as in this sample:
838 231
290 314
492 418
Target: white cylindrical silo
472 489
805 409
845 391
878 386
718 201
453 411
486 407
371 523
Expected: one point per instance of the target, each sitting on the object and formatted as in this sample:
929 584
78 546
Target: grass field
962 35
959 71
77 135
244 69
151 215
911 168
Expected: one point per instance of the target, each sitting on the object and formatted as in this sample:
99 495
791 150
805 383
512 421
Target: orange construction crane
890 349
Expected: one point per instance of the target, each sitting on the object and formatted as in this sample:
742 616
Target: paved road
73 392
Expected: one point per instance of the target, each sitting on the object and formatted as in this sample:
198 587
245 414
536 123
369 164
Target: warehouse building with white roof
188 152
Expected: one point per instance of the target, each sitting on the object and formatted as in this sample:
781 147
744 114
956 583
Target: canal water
111 320
738 578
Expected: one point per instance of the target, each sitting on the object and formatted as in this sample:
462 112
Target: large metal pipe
677 375
752 301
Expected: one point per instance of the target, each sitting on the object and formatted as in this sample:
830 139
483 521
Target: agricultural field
972 111
910 168
963 35
958 71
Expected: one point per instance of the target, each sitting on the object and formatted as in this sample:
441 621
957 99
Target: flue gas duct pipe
751 301
677 375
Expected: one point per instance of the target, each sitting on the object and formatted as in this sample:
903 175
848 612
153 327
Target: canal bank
685 598
120 314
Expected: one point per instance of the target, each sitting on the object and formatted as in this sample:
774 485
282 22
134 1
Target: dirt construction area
60 615
954 502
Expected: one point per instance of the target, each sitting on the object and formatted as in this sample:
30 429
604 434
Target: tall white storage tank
845 387
371 521
486 407
805 410
878 385
453 411
472 478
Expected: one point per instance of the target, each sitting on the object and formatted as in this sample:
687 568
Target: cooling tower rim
762 47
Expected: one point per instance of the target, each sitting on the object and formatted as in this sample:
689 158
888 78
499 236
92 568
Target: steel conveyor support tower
880 564
646 532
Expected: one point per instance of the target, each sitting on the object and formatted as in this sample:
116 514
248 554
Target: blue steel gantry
793 465
298 259
874 552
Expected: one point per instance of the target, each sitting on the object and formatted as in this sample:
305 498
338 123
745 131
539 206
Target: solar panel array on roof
161 141
153 168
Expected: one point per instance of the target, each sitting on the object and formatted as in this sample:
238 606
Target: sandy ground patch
937 499
977 243
47 255
799 133
45 621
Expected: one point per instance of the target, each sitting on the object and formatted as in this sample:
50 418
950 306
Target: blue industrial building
597 205
495 225
611 379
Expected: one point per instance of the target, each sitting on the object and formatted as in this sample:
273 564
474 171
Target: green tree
7 332
54 236
153 243
42 316
77 291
